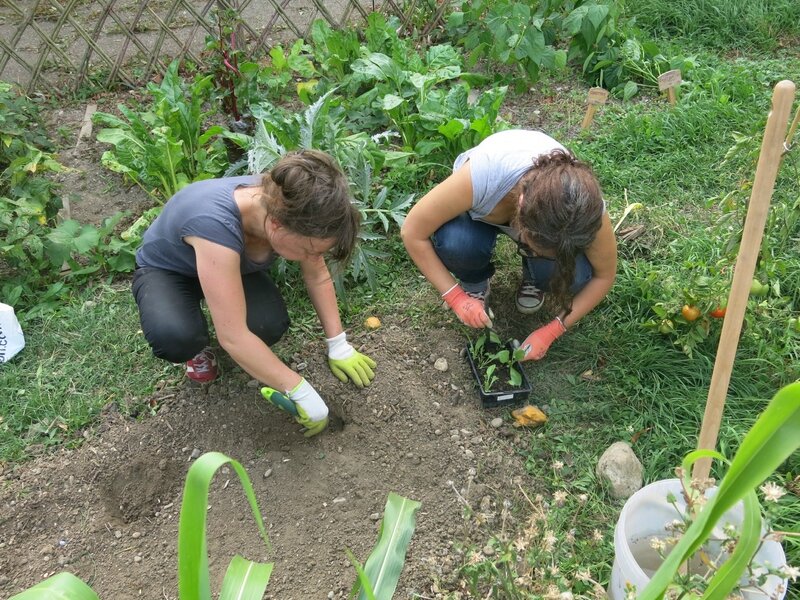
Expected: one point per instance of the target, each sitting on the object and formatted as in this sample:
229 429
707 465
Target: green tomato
794 325
666 326
758 289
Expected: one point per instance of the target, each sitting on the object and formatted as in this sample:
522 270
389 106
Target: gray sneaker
529 298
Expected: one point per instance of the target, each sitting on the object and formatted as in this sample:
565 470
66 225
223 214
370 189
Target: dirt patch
108 511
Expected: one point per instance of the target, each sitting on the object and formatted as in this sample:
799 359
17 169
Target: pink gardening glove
538 342
468 309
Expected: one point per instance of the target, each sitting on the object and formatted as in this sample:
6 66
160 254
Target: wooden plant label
597 96
668 81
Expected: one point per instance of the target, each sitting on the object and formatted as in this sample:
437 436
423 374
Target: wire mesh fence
60 46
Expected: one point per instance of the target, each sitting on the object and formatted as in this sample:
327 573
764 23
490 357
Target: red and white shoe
203 367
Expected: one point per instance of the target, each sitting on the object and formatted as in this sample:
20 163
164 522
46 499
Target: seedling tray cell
502 397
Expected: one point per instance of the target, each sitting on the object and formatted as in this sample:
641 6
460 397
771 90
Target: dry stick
18 34
165 24
763 184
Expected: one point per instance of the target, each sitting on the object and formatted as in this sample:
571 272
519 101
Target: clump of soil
108 511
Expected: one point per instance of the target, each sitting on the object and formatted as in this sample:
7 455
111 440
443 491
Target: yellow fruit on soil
372 323
528 416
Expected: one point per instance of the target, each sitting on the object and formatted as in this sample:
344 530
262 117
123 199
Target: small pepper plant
493 358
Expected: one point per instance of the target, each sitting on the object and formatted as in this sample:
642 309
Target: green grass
727 25
83 357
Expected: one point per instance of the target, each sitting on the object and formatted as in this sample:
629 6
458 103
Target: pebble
488 550
267 473
441 364
252 383
117 534
339 500
375 517
330 594
137 559
469 454
195 454
136 535
437 432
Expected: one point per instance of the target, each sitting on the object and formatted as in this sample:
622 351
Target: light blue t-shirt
205 209
498 163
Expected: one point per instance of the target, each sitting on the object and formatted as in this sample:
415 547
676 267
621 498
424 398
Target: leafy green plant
321 126
377 578
165 147
495 361
772 439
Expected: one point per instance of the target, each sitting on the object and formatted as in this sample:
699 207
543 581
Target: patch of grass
763 25
85 356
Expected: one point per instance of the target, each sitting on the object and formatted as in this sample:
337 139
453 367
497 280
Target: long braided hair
561 212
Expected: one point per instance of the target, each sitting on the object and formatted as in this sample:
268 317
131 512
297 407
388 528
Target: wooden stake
597 96
788 141
668 81
764 183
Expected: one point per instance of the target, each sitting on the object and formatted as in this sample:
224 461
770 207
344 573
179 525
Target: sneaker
529 298
203 367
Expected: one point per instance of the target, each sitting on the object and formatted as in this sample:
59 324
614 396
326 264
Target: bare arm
322 293
602 255
220 277
444 202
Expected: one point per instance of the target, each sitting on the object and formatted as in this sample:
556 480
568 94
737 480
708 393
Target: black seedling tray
500 397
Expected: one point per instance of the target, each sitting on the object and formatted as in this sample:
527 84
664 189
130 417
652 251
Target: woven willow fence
58 46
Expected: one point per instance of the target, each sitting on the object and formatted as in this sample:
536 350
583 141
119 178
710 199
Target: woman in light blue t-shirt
528 186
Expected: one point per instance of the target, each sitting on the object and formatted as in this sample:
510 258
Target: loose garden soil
108 510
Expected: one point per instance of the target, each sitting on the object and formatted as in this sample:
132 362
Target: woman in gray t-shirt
215 240
528 186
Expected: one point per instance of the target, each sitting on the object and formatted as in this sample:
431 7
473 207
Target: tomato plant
719 312
690 313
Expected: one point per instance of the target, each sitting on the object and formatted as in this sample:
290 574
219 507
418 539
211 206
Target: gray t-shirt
498 163
205 209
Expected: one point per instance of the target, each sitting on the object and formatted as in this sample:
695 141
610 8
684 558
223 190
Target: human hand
346 363
538 342
303 403
468 309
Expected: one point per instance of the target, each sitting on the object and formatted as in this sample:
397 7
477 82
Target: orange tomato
690 313
719 312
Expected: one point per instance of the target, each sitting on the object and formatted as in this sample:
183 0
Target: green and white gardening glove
346 363
303 403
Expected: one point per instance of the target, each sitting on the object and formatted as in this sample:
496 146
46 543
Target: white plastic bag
11 338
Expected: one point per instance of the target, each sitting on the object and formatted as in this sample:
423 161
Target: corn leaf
193 576
385 563
772 439
362 581
64 586
728 575
245 580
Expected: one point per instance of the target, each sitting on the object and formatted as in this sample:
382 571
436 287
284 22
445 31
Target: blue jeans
466 247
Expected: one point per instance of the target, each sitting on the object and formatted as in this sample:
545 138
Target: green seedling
491 356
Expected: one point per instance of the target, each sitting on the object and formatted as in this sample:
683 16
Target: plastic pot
645 516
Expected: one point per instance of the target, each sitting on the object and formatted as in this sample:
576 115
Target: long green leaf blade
729 574
245 579
774 436
64 586
385 563
193 577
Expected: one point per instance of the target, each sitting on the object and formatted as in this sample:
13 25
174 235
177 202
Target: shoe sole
527 310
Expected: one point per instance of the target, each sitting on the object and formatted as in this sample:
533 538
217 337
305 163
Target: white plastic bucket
646 515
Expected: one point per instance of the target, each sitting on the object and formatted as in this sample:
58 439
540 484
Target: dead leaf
528 416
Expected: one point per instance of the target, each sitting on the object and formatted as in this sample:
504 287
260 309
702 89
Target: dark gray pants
173 322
